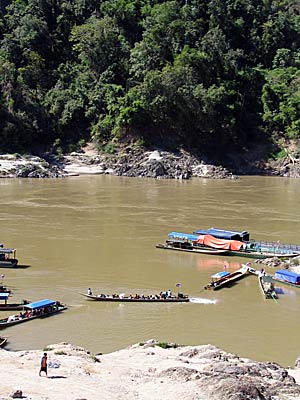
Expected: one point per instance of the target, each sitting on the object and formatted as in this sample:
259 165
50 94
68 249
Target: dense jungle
212 76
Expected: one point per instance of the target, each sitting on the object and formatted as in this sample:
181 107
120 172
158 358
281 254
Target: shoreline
136 162
144 371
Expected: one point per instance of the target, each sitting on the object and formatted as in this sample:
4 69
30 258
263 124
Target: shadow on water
57 377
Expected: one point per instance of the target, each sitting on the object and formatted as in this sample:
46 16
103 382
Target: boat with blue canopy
38 309
225 278
287 277
243 236
209 244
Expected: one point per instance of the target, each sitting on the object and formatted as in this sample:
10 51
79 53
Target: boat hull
4 323
266 287
199 250
184 299
227 280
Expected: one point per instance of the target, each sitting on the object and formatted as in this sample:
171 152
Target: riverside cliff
147 371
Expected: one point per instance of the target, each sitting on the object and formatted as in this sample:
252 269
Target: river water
101 232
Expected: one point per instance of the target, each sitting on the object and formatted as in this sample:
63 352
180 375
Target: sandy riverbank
145 372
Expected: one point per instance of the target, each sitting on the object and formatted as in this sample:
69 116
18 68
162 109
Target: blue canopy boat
287 277
227 243
39 309
225 278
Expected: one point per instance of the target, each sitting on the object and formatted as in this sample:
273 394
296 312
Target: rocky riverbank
135 162
144 371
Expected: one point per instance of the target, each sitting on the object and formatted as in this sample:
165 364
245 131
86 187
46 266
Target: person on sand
44 365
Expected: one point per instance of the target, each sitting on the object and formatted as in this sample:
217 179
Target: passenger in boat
89 292
169 293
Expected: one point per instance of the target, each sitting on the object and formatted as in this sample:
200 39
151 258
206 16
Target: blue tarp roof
182 236
288 276
40 304
224 234
4 296
7 251
220 274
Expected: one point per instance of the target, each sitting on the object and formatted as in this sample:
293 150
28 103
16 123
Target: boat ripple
201 300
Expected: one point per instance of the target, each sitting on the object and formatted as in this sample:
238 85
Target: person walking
44 365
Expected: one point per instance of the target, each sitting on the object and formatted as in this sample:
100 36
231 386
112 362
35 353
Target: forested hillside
194 73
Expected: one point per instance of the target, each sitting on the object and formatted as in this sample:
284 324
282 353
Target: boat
11 306
183 246
287 277
3 341
39 309
8 258
225 278
206 243
4 289
266 286
157 298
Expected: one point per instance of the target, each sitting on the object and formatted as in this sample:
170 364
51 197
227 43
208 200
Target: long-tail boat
225 278
157 298
266 286
39 309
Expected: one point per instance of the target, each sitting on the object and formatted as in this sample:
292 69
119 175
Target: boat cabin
4 297
243 236
288 276
7 254
41 307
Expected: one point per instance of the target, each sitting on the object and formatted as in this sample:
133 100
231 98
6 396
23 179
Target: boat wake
201 300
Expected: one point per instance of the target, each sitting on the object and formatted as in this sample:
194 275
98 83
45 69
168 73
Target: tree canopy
200 74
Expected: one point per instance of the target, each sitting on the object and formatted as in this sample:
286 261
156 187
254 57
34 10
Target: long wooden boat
224 278
173 245
251 249
11 306
287 277
39 309
8 258
267 287
3 341
180 298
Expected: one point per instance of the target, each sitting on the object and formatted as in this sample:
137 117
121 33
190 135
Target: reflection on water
101 232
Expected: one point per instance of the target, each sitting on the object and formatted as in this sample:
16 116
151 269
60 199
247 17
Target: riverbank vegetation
203 74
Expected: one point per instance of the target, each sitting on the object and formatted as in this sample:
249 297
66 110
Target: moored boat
207 243
157 298
225 278
39 309
266 286
11 306
182 246
287 277
8 258
3 341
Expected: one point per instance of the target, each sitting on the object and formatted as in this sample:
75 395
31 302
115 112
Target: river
101 231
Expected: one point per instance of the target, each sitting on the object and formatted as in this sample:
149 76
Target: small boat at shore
157 298
11 306
8 258
225 278
3 341
39 309
266 286
287 277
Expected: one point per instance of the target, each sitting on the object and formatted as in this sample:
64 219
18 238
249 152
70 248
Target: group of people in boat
34 313
162 295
